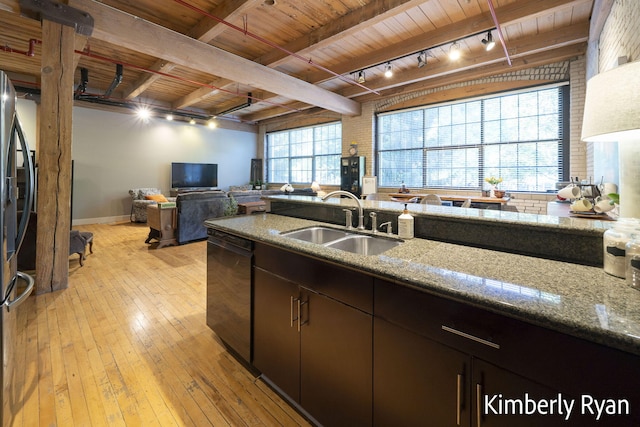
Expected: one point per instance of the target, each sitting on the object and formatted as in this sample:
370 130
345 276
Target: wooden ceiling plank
133 33
206 30
347 25
571 35
512 13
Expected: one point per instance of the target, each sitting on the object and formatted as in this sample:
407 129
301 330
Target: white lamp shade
612 105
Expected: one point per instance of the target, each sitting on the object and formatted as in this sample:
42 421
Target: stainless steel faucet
388 225
354 197
374 222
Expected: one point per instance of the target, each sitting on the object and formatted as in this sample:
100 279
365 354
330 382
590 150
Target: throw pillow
156 198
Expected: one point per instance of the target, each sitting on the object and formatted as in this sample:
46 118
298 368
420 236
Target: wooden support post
54 158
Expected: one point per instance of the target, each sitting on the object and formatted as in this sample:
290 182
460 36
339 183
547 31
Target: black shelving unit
351 174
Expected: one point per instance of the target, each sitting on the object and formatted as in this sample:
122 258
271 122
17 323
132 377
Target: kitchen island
555 316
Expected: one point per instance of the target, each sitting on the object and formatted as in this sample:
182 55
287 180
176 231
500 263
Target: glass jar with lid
632 260
614 245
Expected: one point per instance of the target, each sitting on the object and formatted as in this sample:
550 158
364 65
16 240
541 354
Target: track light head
388 72
488 42
454 51
361 78
422 59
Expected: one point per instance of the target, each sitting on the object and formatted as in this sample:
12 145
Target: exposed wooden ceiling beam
544 42
349 24
536 60
547 44
510 14
374 12
122 29
205 31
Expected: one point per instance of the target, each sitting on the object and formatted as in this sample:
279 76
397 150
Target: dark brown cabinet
453 364
420 358
312 337
417 381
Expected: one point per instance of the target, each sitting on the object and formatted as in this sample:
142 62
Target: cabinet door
417 381
336 362
492 385
276 341
508 389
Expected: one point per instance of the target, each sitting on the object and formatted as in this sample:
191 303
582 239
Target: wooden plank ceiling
206 58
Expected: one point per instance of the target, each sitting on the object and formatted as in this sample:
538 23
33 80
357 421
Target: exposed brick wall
620 35
580 165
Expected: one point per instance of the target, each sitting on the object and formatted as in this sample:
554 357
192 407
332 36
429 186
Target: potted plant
493 181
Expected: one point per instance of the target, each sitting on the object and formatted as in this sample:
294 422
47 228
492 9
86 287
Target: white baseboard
102 220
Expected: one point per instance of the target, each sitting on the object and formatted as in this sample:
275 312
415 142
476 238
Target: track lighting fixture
361 78
388 72
422 59
169 117
454 51
192 121
488 42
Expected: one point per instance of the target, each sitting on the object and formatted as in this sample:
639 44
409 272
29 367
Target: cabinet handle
459 399
299 318
471 337
479 404
291 316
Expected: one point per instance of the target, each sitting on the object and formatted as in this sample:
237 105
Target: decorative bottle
405 224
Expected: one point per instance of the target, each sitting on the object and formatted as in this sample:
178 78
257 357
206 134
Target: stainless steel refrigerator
16 286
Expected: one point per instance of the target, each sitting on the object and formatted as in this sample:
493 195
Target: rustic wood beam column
54 158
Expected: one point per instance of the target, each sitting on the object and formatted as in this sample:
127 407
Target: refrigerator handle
29 190
23 296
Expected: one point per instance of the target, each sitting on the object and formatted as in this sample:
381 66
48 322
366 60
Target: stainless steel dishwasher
229 260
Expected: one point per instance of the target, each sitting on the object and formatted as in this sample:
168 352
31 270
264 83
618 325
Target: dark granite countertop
578 300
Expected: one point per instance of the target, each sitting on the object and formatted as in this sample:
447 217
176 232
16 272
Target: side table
162 224
248 208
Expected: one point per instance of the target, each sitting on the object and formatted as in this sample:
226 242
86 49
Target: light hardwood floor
127 345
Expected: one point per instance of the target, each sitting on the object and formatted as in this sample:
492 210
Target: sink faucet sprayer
352 196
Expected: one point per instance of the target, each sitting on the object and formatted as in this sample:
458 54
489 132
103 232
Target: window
517 136
301 156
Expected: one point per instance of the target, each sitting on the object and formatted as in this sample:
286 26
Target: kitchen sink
364 245
344 240
317 234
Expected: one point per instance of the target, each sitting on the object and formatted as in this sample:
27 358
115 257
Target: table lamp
612 114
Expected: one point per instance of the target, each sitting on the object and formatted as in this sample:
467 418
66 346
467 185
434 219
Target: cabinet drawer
560 361
347 286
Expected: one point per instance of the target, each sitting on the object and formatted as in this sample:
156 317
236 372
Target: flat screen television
194 175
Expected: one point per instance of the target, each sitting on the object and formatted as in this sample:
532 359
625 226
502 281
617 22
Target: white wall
114 152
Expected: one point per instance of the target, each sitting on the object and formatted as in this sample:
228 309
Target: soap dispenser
405 224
